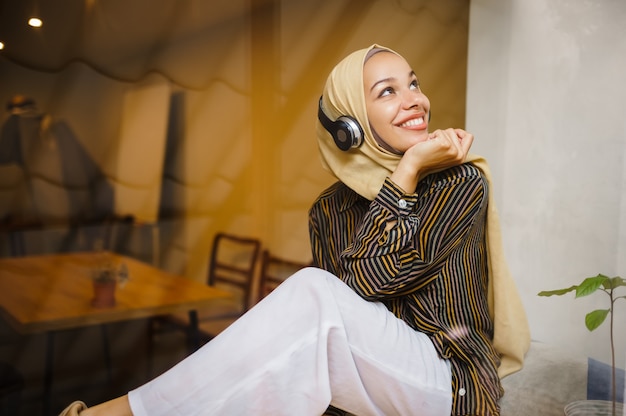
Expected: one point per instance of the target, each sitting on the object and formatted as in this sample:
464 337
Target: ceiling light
35 22
1 45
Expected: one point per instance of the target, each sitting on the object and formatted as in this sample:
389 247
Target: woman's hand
443 149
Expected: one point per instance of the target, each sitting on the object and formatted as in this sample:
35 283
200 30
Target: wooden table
53 292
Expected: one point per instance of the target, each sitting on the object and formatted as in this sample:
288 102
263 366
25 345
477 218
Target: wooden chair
232 267
233 264
274 270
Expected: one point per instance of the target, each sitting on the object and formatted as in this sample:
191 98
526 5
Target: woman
419 315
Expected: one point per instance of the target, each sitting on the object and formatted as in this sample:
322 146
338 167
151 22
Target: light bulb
35 22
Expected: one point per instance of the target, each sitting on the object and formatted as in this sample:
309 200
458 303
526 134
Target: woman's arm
402 242
392 246
443 149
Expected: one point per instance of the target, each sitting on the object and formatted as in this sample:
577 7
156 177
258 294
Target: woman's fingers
466 139
452 145
444 148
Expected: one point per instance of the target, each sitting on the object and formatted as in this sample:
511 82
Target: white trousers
312 342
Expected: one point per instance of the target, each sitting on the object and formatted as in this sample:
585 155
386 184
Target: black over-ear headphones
346 131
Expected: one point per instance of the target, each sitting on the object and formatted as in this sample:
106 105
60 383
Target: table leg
47 388
106 350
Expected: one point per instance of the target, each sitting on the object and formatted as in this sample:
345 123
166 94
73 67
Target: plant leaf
614 282
590 285
594 319
557 292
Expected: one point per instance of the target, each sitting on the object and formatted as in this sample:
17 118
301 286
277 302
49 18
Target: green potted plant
595 318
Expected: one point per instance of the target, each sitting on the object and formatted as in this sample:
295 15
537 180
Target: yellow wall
221 137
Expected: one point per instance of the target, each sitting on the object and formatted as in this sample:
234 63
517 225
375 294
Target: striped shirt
429 268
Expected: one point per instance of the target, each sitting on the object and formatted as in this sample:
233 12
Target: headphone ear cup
346 131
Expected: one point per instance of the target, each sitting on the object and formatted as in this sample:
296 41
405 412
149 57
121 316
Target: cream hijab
364 170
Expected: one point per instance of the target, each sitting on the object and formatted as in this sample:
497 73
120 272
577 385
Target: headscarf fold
364 170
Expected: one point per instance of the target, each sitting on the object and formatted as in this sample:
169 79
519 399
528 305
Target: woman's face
396 107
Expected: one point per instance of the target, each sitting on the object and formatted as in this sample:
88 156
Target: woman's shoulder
337 195
333 190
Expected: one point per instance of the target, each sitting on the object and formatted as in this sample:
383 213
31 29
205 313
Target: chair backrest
140 240
232 265
274 270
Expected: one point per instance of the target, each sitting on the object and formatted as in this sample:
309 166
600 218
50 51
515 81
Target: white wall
547 103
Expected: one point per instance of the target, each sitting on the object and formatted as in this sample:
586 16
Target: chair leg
106 350
193 334
150 348
47 388
16 243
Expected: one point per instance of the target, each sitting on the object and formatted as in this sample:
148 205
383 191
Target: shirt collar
349 199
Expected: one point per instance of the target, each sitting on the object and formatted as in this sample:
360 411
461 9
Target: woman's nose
412 98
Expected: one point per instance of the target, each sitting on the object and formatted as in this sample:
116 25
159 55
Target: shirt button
462 392
402 203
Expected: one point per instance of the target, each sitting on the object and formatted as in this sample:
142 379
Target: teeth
413 122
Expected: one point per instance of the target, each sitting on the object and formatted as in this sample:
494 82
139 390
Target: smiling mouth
412 122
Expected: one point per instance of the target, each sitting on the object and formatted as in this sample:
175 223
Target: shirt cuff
395 200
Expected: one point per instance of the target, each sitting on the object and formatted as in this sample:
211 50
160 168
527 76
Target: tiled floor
79 366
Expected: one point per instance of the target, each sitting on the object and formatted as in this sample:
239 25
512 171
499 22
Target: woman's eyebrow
384 80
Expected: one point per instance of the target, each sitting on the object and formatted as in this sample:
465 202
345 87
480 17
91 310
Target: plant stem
613 384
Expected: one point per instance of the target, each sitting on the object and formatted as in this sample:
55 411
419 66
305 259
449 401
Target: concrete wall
546 102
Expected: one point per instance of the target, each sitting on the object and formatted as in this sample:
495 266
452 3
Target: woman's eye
386 91
415 85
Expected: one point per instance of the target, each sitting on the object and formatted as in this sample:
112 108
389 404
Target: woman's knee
312 280
311 277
